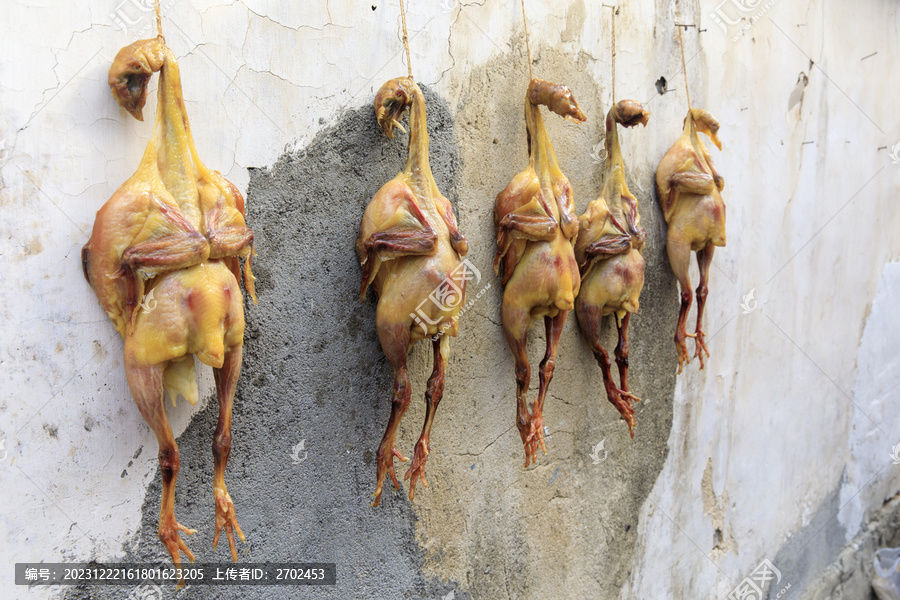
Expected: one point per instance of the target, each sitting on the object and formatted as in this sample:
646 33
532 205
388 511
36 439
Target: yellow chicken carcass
163 259
410 251
688 186
536 226
608 251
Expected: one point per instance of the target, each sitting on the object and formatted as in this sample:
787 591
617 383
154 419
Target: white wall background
800 403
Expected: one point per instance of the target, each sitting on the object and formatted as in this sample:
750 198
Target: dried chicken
689 186
410 250
608 251
536 226
163 259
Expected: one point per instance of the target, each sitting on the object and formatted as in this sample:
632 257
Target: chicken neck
417 163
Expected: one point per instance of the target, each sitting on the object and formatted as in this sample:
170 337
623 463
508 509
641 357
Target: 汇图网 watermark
751 587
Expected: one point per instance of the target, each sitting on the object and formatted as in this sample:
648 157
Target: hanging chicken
536 226
163 259
608 251
410 250
688 186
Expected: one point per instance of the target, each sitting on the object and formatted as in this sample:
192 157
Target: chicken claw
623 401
168 535
684 356
417 468
700 345
226 519
536 437
385 467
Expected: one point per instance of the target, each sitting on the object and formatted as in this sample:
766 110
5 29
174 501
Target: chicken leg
410 250
433 394
536 225
146 385
689 193
226 379
608 251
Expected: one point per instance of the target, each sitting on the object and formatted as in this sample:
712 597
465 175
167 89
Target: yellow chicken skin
688 186
410 250
163 259
608 251
536 226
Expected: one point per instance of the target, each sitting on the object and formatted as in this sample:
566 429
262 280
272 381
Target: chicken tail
181 379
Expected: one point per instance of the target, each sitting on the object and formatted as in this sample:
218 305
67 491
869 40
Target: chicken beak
391 102
130 91
568 107
575 114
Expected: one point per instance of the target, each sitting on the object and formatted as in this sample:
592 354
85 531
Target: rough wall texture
779 449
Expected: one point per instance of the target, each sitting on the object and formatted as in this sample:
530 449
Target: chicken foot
396 350
531 423
146 385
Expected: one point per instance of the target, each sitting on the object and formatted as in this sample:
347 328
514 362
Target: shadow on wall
314 373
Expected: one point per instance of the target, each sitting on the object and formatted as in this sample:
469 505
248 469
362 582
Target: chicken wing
173 232
536 226
410 251
608 251
688 186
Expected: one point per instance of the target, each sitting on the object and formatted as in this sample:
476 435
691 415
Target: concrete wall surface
780 450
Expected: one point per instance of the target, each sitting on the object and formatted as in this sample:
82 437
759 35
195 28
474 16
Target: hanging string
527 46
158 20
684 68
405 38
615 10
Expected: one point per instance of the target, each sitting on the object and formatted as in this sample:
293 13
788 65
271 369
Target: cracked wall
779 449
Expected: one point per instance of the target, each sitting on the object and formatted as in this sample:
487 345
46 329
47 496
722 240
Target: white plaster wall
799 401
